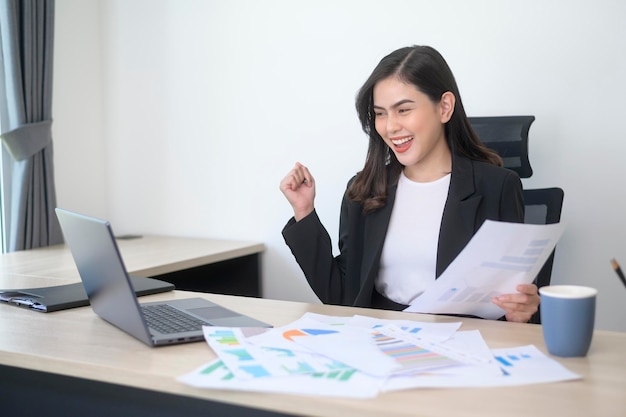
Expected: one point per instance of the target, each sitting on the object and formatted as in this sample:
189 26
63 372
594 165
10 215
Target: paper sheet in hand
499 257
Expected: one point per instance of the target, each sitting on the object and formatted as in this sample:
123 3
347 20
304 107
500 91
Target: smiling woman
412 126
427 186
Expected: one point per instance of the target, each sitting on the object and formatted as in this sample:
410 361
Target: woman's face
413 127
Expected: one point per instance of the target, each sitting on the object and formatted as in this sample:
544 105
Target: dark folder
62 297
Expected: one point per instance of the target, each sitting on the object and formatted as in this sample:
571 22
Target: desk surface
78 343
144 256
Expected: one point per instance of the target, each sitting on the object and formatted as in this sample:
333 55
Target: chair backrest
543 206
508 136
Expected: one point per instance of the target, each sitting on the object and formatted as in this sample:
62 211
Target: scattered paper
359 357
518 366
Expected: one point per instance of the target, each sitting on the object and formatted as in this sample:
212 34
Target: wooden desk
75 361
227 267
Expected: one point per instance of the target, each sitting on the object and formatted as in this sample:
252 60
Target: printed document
499 257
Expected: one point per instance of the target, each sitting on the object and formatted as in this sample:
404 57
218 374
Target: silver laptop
112 296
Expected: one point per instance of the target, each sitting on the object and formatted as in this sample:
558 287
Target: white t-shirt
409 256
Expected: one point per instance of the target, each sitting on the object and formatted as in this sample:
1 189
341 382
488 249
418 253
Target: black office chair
508 136
543 206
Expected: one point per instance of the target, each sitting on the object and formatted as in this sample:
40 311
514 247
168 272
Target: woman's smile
402 144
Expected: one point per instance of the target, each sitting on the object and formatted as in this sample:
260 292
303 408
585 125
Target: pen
618 271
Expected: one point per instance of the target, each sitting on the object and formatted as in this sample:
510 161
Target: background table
220 266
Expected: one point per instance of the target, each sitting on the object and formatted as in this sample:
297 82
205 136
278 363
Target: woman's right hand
298 186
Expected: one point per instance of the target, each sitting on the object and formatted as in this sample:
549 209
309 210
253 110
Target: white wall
180 117
78 108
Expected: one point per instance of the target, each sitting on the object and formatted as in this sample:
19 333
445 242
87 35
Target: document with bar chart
500 256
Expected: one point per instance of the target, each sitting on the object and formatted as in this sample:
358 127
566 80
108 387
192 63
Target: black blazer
478 191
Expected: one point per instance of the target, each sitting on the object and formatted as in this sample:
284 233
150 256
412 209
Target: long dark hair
424 68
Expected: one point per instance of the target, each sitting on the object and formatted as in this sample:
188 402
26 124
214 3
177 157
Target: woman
427 186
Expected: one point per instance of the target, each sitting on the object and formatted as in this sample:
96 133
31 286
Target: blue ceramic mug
568 317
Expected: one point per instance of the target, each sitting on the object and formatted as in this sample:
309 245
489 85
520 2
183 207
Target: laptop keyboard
167 319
